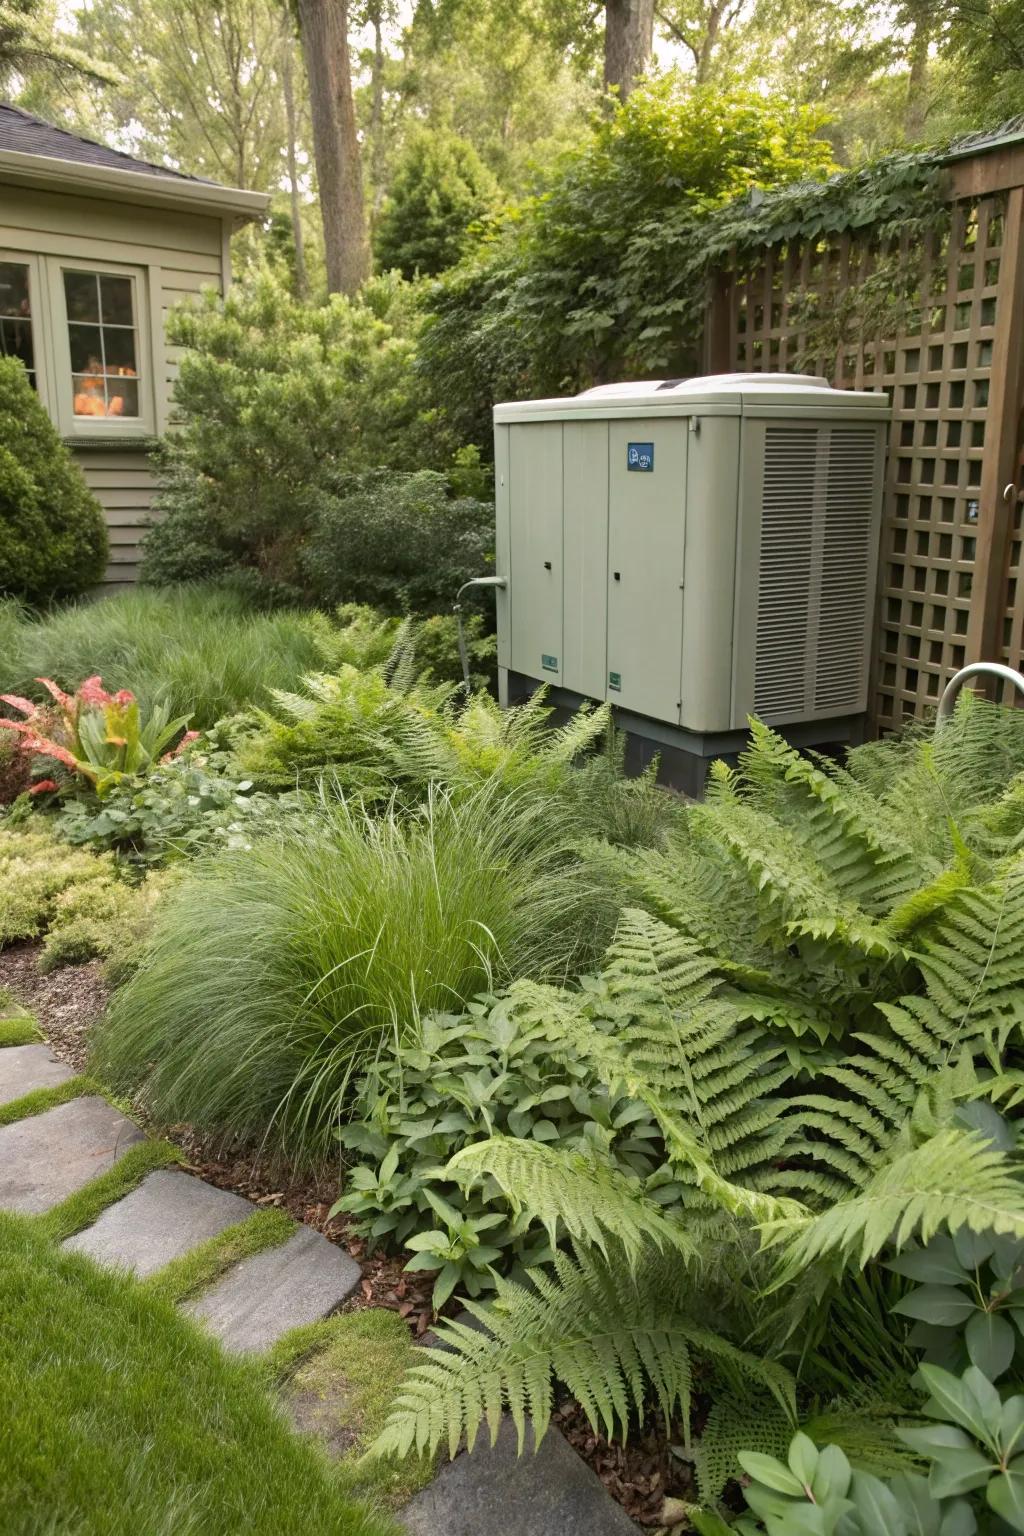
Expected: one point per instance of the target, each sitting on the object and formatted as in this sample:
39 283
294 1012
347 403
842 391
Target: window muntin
16 339
103 343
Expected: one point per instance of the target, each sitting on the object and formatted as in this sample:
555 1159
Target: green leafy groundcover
120 1416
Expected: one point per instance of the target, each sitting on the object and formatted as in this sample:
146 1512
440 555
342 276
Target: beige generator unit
696 552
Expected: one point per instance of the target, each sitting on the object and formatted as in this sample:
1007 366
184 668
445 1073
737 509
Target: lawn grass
17 1026
345 1372
203 1266
119 1415
22 1030
202 649
39 1100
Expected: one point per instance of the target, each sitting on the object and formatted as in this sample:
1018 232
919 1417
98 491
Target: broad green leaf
941 1304
1011 1426
954 1399
973 1248
801 1520
803 1459
991 1342
832 1474
959 1472
444 1285
935 1439
772 1473
878 1508
935 1265
1005 1494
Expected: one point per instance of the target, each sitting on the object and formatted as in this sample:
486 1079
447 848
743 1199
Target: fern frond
954 1179
605 1331
578 1189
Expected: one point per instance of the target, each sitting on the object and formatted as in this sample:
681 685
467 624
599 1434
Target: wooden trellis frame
951 572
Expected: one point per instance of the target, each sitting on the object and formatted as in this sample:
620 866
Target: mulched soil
65 1003
646 1477
641 1476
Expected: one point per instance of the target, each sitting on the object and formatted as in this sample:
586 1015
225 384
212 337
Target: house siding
181 253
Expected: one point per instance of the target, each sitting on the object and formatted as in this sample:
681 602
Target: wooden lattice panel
937 370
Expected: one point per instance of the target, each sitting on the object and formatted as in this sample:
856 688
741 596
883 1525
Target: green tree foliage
440 188
986 49
397 541
275 398
513 77
30 43
53 539
175 63
593 279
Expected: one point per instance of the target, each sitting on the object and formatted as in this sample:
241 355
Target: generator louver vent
816 559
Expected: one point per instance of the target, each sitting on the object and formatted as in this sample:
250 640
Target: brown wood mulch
644 1476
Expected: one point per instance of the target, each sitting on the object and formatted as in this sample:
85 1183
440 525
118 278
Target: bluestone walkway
46 1157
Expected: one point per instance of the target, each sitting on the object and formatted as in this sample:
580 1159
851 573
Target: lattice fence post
1000 484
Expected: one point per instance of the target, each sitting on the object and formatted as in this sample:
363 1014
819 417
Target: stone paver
24 1068
262 1297
166 1216
47 1157
552 1493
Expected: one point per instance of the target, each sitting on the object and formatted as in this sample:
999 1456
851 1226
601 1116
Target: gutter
46 171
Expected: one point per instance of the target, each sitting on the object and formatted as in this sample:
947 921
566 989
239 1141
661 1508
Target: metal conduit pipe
477 581
976 669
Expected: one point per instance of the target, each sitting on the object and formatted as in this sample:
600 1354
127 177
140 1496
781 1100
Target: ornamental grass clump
199 651
274 974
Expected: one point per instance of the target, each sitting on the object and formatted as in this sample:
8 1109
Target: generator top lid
731 394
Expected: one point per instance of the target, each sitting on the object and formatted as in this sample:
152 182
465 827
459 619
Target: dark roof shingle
29 135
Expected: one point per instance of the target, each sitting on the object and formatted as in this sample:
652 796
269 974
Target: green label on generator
615 681
549 663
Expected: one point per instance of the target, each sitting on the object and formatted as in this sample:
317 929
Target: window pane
122 397
82 294
119 350
116 297
89 396
17 341
15 309
102 343
86 348
14 289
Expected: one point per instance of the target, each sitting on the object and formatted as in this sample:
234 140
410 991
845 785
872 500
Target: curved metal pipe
477 581
976 669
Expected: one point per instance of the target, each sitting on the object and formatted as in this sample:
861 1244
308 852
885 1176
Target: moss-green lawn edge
204 1265
41 1099
359 1357
122 1415
21 1029
87 1204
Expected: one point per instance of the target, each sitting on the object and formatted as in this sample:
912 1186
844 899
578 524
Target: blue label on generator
640 456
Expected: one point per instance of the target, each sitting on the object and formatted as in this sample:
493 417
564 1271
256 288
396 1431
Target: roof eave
133 186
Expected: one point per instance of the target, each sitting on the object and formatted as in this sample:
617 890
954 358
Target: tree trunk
324 27
628 41
917 102
288 91
377 107
709 42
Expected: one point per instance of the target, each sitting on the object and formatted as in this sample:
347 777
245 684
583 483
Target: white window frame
38 305
61 396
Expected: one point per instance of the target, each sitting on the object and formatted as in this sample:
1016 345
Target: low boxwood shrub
71 899
53 537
